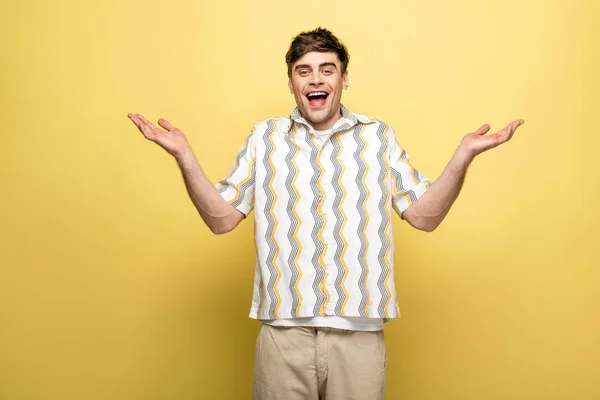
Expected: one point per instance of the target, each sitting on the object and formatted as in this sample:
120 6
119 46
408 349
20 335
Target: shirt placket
325 185
326 199
328 232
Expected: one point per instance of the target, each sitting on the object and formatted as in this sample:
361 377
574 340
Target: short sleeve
238 187
408 185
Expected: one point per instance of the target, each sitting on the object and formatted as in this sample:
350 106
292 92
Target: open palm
478 142
172 139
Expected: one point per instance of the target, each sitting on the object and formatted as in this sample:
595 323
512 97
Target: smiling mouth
317 99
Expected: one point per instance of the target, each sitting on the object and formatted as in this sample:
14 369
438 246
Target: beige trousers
319 364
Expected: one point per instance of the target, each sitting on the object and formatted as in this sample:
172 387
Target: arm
218 214
430 210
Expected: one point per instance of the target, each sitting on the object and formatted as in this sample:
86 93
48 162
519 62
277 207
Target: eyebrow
325 64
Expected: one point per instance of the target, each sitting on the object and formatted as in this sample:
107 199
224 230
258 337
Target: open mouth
317 99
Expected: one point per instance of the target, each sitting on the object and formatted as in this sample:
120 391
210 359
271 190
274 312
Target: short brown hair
320 40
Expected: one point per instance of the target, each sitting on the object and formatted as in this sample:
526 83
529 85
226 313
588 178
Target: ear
290 85
345 80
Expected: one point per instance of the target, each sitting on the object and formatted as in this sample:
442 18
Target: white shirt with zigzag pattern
323 215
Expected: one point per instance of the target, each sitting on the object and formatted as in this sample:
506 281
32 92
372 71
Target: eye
327 71
303 72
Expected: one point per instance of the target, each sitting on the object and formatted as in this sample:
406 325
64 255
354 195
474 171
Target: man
322 183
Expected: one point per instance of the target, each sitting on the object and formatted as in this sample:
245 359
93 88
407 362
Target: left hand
477 142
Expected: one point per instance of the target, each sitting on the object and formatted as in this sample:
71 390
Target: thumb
166 124
484 128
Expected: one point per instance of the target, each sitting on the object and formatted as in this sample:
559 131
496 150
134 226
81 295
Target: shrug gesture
219 215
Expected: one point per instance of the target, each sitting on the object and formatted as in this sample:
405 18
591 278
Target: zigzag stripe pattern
271 198
382 256
317 228
323 235
294 225
338 229
361 209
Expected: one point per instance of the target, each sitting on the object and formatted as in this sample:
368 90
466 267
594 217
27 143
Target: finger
515 124
138 123
134 119
146 122
483 129
166 124
514 127
508 132
518 123
146 130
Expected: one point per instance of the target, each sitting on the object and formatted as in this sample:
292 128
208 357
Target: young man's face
317 83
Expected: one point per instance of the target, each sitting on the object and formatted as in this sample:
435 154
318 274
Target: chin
319 116
316 121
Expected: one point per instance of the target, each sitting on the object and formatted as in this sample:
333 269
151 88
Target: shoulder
268 126
377 128
370 120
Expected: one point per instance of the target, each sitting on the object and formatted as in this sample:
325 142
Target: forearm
218 215
431 209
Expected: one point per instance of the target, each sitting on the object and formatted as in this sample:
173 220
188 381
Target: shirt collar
348 119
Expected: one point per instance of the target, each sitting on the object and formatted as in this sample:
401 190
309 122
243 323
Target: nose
315 78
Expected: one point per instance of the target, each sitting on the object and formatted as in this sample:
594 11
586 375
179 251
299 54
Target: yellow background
112 288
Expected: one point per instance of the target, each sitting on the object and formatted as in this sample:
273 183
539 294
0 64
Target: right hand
172 140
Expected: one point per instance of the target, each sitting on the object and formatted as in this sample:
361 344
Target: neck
323 126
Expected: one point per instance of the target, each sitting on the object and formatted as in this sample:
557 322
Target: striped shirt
322 211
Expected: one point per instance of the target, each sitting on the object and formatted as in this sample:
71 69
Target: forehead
315 58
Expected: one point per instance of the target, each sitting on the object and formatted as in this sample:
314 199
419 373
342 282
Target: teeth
316 94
